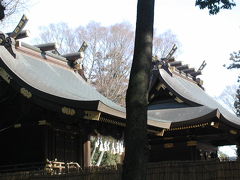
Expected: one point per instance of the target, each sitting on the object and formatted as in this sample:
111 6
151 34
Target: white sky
203 37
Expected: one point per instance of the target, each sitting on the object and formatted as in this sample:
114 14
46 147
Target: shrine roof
187 102
48 80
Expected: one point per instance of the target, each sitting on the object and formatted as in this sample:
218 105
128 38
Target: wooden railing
179 170
22 167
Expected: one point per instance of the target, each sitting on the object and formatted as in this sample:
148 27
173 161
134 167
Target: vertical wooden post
45 142
80 150
87 153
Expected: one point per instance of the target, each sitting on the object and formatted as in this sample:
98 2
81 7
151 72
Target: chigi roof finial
17 31
172 51
8 40
202 66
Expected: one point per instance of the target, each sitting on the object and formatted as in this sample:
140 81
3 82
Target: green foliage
235 58
222 156
108 159
237 102
214 6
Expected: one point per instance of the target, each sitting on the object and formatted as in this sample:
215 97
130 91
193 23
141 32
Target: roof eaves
207 118
110 110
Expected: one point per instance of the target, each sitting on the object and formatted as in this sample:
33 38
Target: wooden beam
92 115
161 133
87 153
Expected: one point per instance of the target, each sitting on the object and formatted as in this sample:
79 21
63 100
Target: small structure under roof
198 123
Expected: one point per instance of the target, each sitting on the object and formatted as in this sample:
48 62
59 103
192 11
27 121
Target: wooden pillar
79 152
45 142
87 153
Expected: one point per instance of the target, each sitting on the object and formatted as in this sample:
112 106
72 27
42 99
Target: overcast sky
203 37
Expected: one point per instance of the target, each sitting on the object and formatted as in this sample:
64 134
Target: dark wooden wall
63 146
23 140
22 145
159 153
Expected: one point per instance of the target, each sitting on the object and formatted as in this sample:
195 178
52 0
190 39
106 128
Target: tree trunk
2 8
134 167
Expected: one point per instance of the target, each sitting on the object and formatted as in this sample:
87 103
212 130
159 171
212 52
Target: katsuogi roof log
176 63
47 46
190 70
195 73
73 56
180 68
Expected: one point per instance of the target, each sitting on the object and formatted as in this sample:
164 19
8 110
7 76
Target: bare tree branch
108 57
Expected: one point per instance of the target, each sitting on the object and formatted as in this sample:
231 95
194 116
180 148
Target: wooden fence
180 170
